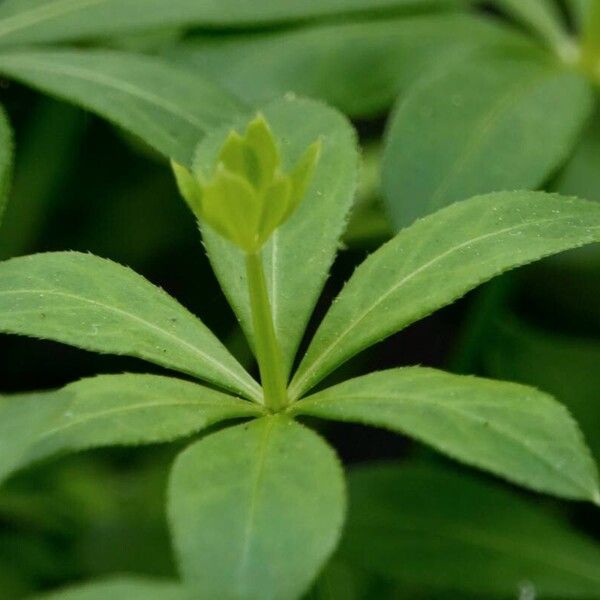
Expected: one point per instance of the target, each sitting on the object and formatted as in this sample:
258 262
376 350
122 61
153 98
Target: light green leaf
121 588
98 305
563 365
544 19
492 123
168 107
511 430
426 527
27 21
437 260
378 57
109 410
256 510
299 254
6 159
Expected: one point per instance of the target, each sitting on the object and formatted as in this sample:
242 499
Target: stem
268 352
590 44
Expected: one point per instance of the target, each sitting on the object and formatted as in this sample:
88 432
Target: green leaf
27 21
437 260
435 530
543 18
492 123
511 430
121 588
563 365
48 145
581 174
379 57
109 410
579 11
98 305
299 254
6 159
256 510
168 107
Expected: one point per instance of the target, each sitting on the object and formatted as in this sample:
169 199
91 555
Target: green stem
590 43
268 352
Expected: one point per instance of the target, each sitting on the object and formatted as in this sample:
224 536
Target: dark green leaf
256 510
379 58
26 21
169 107
487 124
122 588
6 159
438 531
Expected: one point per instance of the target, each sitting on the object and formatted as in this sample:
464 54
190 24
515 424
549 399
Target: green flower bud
248 196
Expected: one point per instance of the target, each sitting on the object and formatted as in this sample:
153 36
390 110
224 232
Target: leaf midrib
482 129
494 541
39 14
183 343
110 82
297 388
448 406
257 476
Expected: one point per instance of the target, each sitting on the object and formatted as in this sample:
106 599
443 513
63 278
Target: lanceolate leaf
122 588
542 17
95 304
255 510
438 531
487 124
6 159
109 410
563 365
26 21
299 254
512 430
168 107
437 260
378 57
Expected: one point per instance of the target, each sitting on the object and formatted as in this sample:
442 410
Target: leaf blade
98 305
6 159
480 126
121 588
298 256
407 278
109 410
381 57
255 510
169 107
35 21
511 430
477 537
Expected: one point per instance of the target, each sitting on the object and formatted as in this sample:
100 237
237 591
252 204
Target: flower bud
248 195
